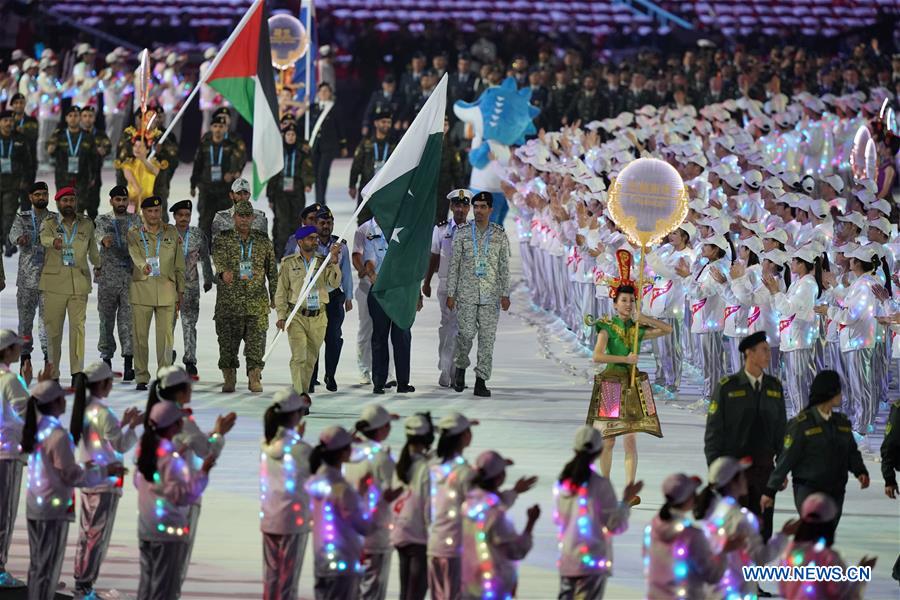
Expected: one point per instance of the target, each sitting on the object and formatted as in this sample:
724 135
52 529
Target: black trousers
334 339
805 488
322 159
401 340
757 477
413 571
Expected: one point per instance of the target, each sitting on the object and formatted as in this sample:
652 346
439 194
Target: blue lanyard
67 241
34 235
212 159
293 162
487 242
185 240
246 249
116 230
74 152
159 237
384 154
6 153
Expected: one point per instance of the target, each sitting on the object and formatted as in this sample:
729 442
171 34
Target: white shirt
13 402
797 322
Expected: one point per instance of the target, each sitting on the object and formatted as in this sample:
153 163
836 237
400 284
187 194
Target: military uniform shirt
116 259
464 285
196 251
224 221
244 296
291 278
742 422
31 256
346 283
16 163
369 156
442 244
818 453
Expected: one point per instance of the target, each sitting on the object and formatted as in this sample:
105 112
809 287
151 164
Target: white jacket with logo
283 473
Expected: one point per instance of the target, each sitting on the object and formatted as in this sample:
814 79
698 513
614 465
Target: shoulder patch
801 416
888 428
724 380
788 441
713 407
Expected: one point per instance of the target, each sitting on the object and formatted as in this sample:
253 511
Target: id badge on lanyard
68 256
481 257
288 184
288 181
379 160
153 261
215 166
68 250
5 165
312 301
72 166
245 266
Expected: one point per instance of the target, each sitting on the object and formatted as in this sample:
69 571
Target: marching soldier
477 288
68 241
196 250
157 285
244 260
72 151
224 219
339 300
218 162
27 127
747 418
114 279
102 147
450 177
306 331
15 168
441 246
25 234
287 190
369 157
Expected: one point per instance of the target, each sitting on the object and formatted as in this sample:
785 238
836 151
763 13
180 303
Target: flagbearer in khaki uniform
307 329
157 283
66 277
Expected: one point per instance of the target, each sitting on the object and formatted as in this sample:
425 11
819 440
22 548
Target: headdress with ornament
625 261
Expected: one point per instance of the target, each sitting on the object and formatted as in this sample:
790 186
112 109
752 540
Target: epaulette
498 226
724 380
442 223
801 416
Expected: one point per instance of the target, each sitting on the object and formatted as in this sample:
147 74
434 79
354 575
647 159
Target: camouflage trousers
481 319
30 301
114 307
189 314
232 330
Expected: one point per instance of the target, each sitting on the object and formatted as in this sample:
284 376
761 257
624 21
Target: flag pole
309 51
212 67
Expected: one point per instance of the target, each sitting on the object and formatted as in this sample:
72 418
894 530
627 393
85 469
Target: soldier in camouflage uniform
244 260
72 152
287 190
102 146
369 157
218 162
196 250
477 288
113 279
26 126
15 168
224 219
25 233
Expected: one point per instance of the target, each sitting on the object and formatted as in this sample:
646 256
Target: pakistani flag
242 73
402 198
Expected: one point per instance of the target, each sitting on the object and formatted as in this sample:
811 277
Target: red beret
66 191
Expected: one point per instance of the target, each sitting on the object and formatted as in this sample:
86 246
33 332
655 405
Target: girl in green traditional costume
617 407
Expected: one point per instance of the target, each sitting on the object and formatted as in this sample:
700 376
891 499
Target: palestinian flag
402 198
242 72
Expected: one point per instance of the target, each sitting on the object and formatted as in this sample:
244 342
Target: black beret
751 341
825 386
182 205
71 109
88 108
222 110
119 190
311 209
483 197
151 202
6 114
389 78
16 96
381 112
38 186
324 213
220 120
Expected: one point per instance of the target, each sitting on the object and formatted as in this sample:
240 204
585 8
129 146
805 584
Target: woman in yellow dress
140 172
616 408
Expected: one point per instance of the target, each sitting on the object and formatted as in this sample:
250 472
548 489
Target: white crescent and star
395 236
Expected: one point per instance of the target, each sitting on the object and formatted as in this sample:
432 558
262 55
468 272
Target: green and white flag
402 198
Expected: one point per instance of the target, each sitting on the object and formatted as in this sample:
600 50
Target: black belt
309 313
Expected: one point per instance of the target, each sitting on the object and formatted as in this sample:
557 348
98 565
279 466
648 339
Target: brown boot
253 380
230 379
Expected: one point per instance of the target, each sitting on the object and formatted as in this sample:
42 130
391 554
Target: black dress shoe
405 389
330 384
312 388
378 389
141 387
316 382
390 384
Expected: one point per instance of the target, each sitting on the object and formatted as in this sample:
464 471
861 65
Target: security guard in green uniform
15 167
218 162
28 127
102 147
747 419
369 157
819 450
73 154
287 190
